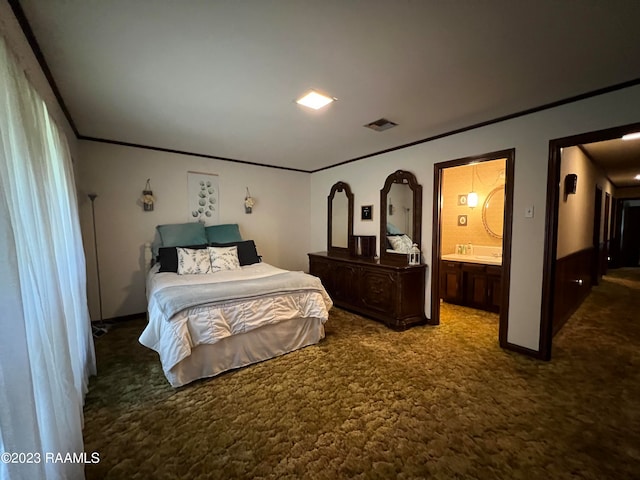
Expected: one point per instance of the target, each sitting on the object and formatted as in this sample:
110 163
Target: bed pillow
400 243
193 261
223 258
168 257
393 230
226 233
247 253
179 234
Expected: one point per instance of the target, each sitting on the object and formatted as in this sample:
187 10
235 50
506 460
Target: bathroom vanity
472 280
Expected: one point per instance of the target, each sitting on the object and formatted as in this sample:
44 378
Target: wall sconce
249 202
472 198
570 184
147 197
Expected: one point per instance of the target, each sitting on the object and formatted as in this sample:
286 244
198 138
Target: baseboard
123 318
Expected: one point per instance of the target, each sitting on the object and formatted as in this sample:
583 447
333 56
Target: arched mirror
340 219
400 217
493 212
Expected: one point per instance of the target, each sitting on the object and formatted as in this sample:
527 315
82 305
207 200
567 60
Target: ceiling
620 159
219 78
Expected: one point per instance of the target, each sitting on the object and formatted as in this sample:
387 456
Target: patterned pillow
192 261
223 258
400 243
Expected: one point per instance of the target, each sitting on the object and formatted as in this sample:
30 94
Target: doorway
561 282
630 232
481 289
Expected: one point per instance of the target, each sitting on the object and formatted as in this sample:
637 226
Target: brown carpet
433 402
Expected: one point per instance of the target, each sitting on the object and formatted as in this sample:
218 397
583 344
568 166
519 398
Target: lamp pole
92 196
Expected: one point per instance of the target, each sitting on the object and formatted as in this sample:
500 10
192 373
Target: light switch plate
528 212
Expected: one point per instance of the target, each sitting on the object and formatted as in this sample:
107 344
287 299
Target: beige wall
457 181
279 223
575 212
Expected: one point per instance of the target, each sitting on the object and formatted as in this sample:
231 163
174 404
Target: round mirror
493 212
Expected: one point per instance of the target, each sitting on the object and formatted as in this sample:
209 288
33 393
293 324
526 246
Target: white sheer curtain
46 354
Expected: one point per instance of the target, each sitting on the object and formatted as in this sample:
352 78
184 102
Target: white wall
279 224
530 136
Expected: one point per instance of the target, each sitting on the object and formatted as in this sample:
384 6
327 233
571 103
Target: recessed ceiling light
315 100
631 136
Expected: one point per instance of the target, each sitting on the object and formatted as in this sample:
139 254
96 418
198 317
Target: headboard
148 256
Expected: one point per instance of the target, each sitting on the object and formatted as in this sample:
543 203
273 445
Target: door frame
551 223
597 226
606 235
438 170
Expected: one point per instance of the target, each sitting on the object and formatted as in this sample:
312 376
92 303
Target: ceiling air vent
381 125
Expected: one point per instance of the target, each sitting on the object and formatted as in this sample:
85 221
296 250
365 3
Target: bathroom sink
487 257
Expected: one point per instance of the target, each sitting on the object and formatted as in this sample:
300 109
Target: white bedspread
175 337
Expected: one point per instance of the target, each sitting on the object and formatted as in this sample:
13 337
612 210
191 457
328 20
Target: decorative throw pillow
400 243
191 261
168 257
392 229
247 253
223 258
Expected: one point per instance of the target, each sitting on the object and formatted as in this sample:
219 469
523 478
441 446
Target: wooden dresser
392 294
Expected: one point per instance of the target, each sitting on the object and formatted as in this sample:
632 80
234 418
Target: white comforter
174 337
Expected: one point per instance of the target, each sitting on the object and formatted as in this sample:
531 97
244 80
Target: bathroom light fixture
315 100
472 198
631 136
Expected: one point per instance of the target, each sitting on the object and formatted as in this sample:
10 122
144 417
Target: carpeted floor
433 402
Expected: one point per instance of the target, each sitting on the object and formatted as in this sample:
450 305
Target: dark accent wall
572 284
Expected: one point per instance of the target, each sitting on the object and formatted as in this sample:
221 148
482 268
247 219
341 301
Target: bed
205 323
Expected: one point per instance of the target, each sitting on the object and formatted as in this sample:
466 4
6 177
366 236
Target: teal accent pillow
181 234
226 233
392 229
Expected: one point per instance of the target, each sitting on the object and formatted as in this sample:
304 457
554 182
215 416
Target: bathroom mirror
400 216
493 212
340 219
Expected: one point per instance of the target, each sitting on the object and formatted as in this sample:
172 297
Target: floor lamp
101 328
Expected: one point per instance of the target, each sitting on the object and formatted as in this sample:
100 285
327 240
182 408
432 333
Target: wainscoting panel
572 285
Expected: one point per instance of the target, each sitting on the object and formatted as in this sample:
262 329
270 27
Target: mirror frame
408 178
485 224
339 187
